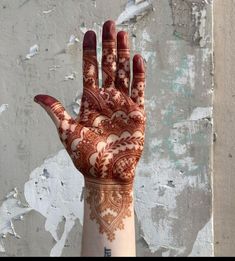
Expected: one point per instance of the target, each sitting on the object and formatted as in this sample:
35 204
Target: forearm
109 228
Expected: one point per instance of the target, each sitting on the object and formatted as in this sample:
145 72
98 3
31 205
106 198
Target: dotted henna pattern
106 141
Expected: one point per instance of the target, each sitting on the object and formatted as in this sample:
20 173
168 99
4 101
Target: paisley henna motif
106 141
110 204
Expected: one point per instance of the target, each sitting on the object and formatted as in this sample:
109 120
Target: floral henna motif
123 67
137 92
90 75
123 71
106 141
109 63
109 204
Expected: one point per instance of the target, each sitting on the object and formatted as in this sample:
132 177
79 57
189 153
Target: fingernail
89 41
109 30
138 64
45 100
122 40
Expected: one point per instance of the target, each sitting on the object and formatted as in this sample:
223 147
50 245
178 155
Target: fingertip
109 30
122 40
45 100
138 64
89 40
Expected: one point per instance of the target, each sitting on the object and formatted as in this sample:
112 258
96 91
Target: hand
105 142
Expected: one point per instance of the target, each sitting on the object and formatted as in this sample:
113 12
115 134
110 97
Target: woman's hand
105 142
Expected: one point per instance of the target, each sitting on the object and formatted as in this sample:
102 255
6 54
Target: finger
63 121
123 62
90 64
138 82
109 54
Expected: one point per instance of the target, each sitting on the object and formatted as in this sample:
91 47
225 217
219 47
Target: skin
106 141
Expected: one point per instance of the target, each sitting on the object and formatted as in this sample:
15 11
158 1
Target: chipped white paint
134 10
54 190
73 40
201 113
11 210
203 245
153 192
176 135
3 108
48 11
71 76
32 51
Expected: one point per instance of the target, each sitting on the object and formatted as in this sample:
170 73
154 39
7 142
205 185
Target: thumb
54 108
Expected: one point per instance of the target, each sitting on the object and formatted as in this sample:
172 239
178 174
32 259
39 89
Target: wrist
108 218
109 204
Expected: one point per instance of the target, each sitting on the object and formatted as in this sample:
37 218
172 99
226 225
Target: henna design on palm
106 141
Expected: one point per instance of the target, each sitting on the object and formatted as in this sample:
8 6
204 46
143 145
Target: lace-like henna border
109 204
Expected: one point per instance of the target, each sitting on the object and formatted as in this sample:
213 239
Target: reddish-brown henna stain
106 141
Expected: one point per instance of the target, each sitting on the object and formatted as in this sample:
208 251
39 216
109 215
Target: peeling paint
48 11
154 193
32 51
72 45
189 20
72 40
12 209
71 76
3 108
201 113
54 190
134 11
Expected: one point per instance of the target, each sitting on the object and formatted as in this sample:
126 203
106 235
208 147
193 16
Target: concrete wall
40 209
224 148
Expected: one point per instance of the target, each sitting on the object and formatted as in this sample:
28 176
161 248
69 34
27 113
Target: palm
110 142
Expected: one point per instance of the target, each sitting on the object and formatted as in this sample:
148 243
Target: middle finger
109 55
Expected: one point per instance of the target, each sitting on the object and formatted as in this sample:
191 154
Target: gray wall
40 209
224 148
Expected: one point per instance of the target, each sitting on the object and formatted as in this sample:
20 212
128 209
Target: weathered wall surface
43 215
224 148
